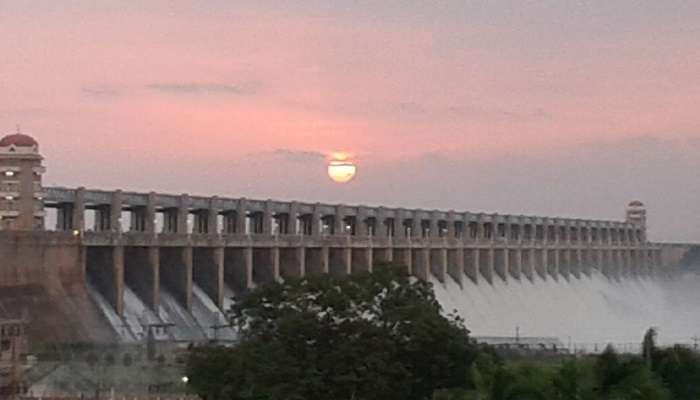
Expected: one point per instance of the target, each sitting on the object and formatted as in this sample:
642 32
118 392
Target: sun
341 168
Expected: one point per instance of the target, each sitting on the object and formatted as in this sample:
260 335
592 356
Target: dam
116 266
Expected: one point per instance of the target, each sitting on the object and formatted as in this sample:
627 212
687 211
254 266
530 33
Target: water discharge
110 314
209 317
587 312
137 316
205 321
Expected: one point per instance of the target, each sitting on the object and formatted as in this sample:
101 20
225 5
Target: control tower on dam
147 259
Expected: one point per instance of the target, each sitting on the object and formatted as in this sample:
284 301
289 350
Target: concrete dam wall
41 279
118 266
114 266
116 290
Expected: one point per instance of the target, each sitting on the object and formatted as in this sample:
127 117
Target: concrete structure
14 346
13 340
20 183
540 344
153 240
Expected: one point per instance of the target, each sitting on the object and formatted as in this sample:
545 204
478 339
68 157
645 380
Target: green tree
495 380
638 383
483 372
607 370
379 335
679 369
627 379
573 381
649 346
522 383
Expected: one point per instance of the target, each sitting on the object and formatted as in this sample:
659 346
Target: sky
559 108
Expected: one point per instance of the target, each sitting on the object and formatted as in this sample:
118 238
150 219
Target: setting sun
341 168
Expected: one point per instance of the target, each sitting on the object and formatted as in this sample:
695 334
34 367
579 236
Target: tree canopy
379 335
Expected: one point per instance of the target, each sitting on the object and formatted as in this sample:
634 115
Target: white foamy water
138 316
122 330
587 312
185 326
209 317
205 321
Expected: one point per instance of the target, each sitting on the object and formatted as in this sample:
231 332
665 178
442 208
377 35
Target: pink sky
559 109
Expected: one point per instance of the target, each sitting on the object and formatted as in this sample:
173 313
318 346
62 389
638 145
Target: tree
648 346
607 370
628 379
379 335
637 383
516 381
573 381
679 369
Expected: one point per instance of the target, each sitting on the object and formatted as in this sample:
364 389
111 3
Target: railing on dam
117 211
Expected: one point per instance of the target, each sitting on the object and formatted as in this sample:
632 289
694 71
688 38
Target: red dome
19 140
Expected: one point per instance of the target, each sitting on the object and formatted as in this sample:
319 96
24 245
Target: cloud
100 91
409 107
295 156
425 111
204 88
694 141
499 114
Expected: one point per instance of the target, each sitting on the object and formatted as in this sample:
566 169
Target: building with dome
21 206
